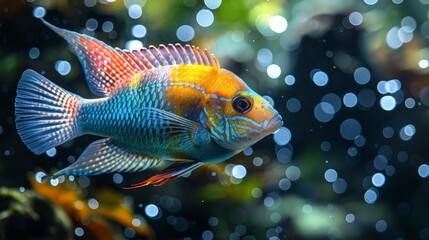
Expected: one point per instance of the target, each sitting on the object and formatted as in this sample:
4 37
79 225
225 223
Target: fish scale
168 103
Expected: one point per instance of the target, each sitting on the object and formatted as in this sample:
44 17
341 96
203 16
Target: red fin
174 171
107 68
104 68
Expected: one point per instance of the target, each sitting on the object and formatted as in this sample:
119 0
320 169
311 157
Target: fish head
236 116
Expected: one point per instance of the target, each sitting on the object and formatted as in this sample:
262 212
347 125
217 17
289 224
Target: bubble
423 63
360 141
213 221
205 18
355 18
151 210
324 112
107 26
257 161
117 178
213 4
39 12
407 132
79 232
285 184
136 222
265 57
51 152
282 136
423 170
284 155
278 24
381 226
290 80
378 179
370 2
388 132
320 78
138 31
307 208
293 105
391 86
62 67
129 232
405 36
93 203
397 1
133 45
350 100
239 171
408 24
274 71
390 170
269 99
402 156
362 75
350 128
380 162
293 173
424 96
83 181
135 11
34 53
248 151
91 24
366 98
392 38
339 186
185 33
331 175
388 103
256 192
410 103
268 202
370 196
325 146
90 3
350 218
207 235
333 100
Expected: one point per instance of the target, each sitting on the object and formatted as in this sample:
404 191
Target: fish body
170 103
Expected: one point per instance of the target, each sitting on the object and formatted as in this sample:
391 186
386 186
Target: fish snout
273 124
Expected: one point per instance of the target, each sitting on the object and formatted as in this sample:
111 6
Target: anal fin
104 156
174 171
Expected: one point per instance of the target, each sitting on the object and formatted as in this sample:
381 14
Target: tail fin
45 113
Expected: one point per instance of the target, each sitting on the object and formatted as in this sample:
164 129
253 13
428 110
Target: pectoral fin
174 171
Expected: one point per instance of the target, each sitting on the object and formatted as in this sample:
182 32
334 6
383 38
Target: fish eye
242 104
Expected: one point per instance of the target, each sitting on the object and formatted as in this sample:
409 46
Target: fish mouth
273 124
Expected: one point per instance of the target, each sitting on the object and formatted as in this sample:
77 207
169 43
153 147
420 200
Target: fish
169 104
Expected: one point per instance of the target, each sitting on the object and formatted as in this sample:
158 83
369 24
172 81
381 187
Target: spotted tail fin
45 113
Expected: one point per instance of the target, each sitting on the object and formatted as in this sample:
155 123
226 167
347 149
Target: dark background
320 36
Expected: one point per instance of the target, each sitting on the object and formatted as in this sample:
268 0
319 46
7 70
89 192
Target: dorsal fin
107 68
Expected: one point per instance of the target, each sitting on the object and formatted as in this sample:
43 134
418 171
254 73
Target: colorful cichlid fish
170 103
